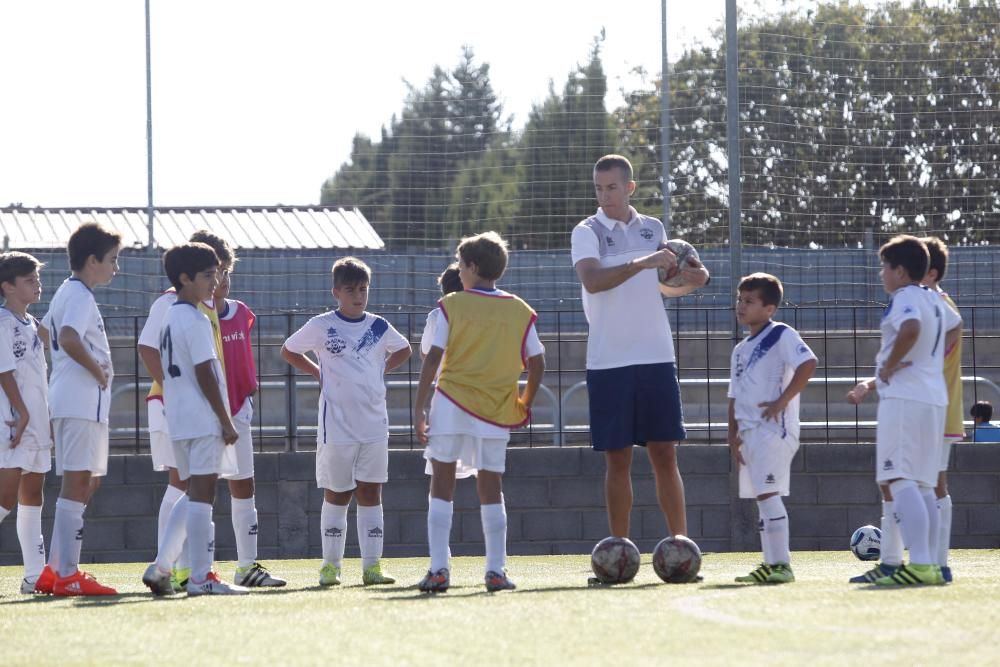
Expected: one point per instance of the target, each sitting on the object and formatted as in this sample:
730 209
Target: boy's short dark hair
189 259
89 239
15 264
909 252
351 271
938 253
488 251
768 286
982 410
225 253
450 280
613 161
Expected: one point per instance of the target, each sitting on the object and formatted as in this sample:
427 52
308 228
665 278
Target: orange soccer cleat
80 583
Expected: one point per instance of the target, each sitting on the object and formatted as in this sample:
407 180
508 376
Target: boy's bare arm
398 358
151 360
536 369
9 386
906 338
428 371
951 338
300 361
209 385
734 434
72 345
801 377
43 333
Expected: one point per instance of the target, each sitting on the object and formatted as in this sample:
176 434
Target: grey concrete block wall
555 504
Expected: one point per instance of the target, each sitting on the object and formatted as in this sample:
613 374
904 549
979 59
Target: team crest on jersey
20 345
646 234
335 344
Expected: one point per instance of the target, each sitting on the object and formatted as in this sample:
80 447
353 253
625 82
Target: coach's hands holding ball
663 258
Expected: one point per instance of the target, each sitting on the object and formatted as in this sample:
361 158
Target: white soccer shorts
908 441
243 421
207 455
768 459
340 467
81 444
160 447
470 452
946 453
27 459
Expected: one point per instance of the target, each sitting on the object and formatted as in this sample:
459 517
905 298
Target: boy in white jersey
485 338
241 486
201 430
911 412
355 349
769 370
24 408
954 428
79 401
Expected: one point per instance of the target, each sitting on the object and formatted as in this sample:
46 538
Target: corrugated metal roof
280 227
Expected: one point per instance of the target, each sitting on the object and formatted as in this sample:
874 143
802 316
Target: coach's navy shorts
634 405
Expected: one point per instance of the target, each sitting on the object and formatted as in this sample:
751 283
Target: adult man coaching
631 371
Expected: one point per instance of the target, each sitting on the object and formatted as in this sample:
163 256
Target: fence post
291 431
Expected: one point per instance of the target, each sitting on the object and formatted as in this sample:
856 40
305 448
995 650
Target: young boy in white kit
198 419
769 370
355 349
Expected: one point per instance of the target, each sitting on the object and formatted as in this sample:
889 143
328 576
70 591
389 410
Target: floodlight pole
665 119
733 140
150 242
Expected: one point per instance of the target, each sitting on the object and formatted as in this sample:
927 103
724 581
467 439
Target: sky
256 102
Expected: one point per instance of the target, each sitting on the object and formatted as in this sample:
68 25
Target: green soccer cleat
373 575
913 575
758 576
781 573
179 579
877 572
329 575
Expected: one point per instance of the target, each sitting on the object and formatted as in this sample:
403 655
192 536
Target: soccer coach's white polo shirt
628 324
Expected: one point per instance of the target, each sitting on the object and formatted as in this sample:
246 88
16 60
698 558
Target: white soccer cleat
157 581
28 587
214 586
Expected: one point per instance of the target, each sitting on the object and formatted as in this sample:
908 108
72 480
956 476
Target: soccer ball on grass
866 543
615 560
677 560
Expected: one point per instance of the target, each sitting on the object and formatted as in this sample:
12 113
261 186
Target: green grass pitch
552 619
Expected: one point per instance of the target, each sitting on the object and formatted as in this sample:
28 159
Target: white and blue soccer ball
866 543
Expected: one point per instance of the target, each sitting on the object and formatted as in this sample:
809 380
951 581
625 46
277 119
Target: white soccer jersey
73 391
446 417
923 380
150 334
186 341
352 356
21 351
430 327
628 323
762 366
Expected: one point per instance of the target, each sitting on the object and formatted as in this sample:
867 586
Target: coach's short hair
612 161
768 286
938 253
351 271
488 251
909 252
450 280
982 410
15 264
189 259
225 252
89 239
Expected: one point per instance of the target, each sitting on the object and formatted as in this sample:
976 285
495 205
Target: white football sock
201 540
245 529
776 534
439 516
170 497
494 519
765 547
29 534
944 534
69 530
892 539
333 524
913 523
371 534
173 541
933 522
